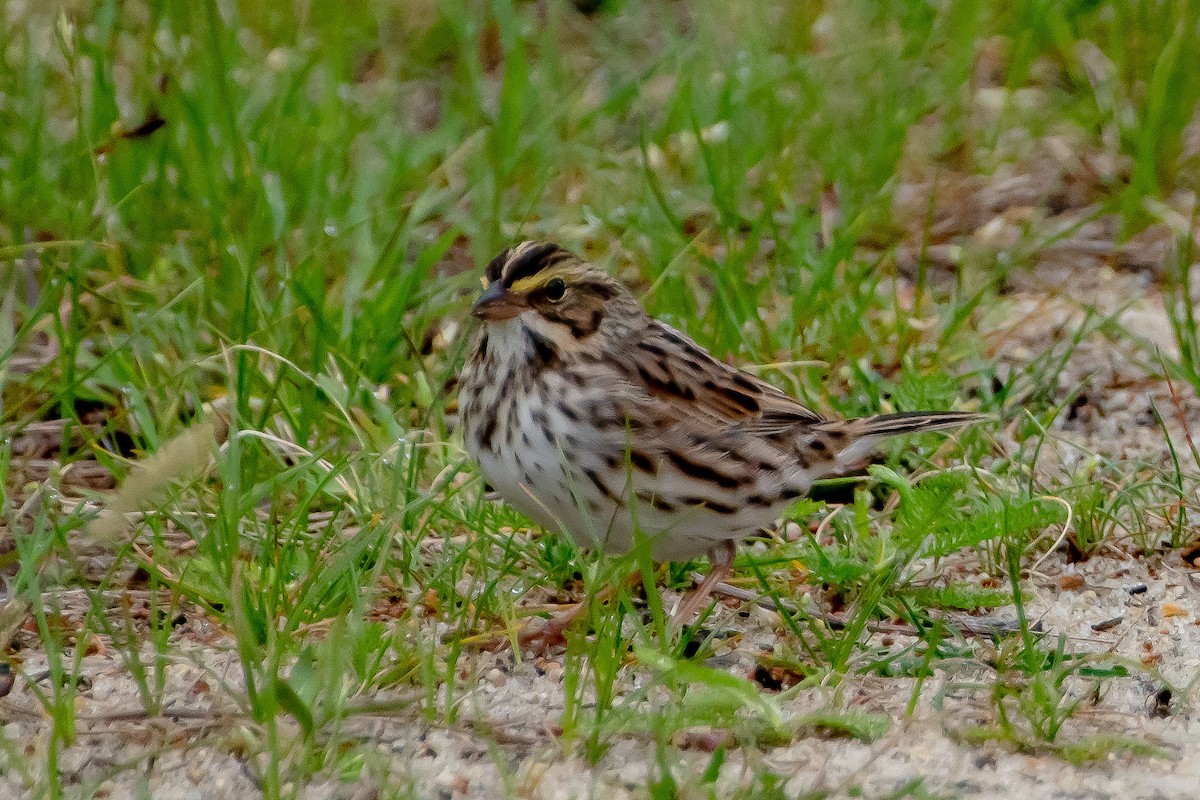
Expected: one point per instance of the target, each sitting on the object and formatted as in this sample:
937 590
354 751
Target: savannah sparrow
595 419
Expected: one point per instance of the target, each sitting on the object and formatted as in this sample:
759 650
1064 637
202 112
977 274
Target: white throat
510 341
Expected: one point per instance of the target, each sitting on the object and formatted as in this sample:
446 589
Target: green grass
271 216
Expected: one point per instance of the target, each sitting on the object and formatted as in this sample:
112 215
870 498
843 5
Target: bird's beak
497 304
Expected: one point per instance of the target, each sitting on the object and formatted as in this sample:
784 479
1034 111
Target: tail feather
866 432
916 421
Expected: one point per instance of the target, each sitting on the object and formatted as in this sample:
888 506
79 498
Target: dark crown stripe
496 266
528 260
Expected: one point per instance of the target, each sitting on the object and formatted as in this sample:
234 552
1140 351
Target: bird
598 421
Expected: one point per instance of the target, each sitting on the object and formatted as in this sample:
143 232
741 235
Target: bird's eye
555 289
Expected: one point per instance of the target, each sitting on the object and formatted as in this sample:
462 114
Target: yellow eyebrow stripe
526 285
564 271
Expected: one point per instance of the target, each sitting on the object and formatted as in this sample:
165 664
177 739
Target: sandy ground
505 734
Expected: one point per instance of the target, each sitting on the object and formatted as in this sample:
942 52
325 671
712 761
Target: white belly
559 490
574 479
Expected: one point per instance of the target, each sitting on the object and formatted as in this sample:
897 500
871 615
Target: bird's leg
722 565
552 633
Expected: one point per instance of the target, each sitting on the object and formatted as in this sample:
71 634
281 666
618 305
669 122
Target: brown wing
688 383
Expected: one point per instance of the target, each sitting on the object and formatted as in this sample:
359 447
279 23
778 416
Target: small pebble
1173 610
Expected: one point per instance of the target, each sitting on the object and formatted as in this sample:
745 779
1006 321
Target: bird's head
551 291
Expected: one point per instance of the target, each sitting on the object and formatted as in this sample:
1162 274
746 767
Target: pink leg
552 633
722 565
